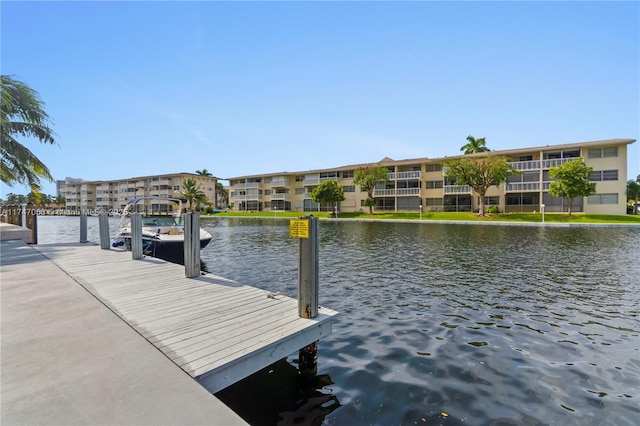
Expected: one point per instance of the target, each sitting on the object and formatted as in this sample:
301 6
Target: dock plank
217 330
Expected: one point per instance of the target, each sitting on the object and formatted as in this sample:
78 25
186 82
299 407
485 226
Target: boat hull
172 250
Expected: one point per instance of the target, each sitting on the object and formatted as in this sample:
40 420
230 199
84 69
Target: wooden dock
218 331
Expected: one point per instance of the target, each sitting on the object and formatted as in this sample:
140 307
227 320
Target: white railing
523 186
457 189
526 165
317 181
251 185
547 164
414 174
384 192
280 182
280 196
408 191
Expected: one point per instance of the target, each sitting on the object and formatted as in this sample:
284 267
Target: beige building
420 183
113 195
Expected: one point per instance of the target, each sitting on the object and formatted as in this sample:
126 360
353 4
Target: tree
572 180
367 178
193 194
222 194
633 193
479 174
474 145
203 172
22 115
328 192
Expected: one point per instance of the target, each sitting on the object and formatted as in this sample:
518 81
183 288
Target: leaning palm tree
22 115
193 194
474 145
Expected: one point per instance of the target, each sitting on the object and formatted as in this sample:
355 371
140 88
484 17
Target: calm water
444 324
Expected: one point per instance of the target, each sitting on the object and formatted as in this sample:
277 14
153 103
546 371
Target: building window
492 201
603 199
433 201
433 184
595 153
299 178
608 152
349 188
434 168
603 175
348 174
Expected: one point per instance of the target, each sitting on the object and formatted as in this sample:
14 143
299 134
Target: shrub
493 209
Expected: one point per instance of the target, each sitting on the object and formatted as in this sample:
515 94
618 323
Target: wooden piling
83 227
136 236
103 223
308 271
192 245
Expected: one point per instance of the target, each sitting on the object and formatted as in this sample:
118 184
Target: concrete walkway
68 360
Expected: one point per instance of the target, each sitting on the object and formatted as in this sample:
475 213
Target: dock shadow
278 395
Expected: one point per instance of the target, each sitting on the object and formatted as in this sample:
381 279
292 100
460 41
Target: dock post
308 271
136 236
24 216
83 227
308 294
192 245
103 223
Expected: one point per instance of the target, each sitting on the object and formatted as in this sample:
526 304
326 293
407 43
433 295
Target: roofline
506 152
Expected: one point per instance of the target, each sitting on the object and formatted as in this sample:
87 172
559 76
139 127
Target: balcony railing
250 185
400 192
522 186
526 165
317 181
280 182
547 164
280 196
457 189
414 174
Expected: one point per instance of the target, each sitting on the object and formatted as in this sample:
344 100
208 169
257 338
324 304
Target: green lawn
499 217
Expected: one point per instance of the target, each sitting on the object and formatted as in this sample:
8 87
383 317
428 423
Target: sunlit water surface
443 324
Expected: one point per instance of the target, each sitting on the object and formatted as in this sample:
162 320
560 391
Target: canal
445 324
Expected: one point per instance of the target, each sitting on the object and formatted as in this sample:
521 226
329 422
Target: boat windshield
161 221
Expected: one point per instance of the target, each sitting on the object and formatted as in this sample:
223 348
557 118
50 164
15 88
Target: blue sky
141 88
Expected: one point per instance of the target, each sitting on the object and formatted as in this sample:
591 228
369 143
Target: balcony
457 189
547 164
250 185
280 196
317 181
414 174
280 182
522 187
400 192
526 165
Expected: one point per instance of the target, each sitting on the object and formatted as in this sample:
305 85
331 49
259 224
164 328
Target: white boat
162 234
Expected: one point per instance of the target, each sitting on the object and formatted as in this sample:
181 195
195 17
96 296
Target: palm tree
474 145
193 194
223 194
22 114
203 172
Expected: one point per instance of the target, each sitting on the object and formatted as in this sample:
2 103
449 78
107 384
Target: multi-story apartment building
420 183
113 195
